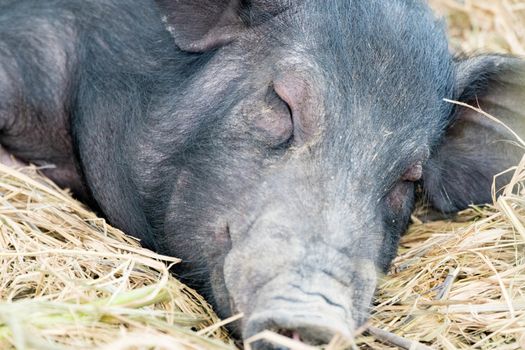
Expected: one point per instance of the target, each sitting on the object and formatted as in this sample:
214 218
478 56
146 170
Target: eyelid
275 94
276 120
291 131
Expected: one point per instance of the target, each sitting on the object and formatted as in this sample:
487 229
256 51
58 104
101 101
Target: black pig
274 145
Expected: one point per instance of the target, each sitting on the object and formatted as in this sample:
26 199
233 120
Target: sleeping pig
274 145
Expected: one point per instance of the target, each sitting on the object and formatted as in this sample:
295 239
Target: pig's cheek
398 198
222 239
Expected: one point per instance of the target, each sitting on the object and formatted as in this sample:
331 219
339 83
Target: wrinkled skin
275 146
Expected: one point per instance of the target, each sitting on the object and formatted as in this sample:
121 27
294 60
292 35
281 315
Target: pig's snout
302 311
287 277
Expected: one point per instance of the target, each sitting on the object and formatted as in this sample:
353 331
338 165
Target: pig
278 147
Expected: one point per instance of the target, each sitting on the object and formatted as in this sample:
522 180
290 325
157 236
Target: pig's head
283 166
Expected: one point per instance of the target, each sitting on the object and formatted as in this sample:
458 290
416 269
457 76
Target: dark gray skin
273 145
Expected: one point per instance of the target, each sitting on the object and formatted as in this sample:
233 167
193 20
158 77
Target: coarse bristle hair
69 280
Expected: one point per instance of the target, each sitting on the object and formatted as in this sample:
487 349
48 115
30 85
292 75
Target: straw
68 280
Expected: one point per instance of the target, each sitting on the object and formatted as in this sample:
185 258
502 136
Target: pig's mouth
313 328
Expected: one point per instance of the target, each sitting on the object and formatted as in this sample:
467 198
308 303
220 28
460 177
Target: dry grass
485 25
68 280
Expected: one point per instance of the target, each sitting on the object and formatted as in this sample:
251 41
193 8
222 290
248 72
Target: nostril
296 336
270 342
293 334
315 336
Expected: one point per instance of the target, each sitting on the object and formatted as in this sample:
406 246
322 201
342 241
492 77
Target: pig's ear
201 25
475 148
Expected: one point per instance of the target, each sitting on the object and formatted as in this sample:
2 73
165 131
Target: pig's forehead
388 49
381 65
385 68
365 38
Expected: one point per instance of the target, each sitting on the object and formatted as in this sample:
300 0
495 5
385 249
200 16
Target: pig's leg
7 112
37 58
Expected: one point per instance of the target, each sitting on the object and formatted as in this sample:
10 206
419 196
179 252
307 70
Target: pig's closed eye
276 121
401 196
413 173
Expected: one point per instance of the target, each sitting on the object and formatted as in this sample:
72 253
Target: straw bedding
69 280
